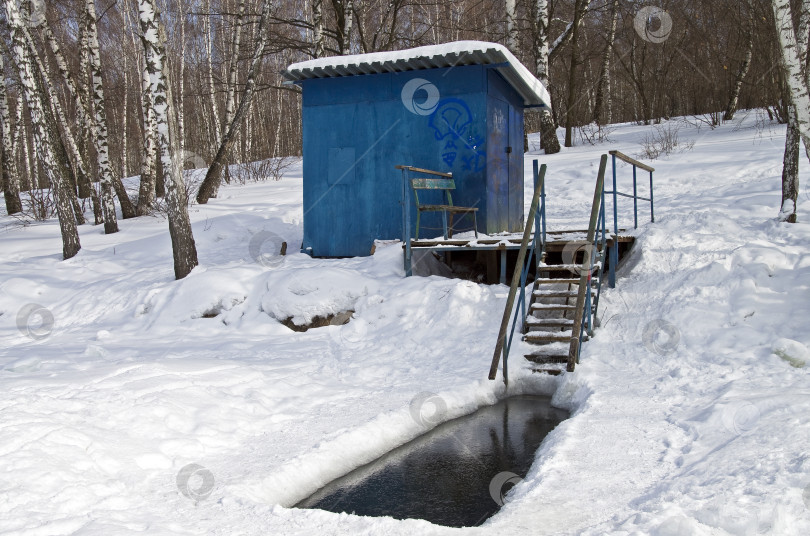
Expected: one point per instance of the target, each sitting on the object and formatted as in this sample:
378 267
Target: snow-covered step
536 323
573 268
540 337
557 293
552 307
561 280
548 358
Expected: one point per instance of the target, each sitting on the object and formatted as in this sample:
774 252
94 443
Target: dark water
455 474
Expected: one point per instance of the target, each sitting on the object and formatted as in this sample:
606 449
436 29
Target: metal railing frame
614 250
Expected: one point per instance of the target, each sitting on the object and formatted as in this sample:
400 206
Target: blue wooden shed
456 107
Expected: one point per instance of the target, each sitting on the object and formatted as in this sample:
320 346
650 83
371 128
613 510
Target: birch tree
85 186
147 192
214 174
548 131
794 66
317 27
43 133
99 124
183 248
11 181
511 26
348 18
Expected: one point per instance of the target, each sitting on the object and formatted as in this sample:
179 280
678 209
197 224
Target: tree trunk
214 174
793 64
511 26
602 106
54 116
731 108
99 127
11 181
548 131
580 7
317 27
183 248
230 103
790 170
147 191
43 136
217 129
348 19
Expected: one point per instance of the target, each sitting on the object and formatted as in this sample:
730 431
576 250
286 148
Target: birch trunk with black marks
511 26
790 170
794 65
181 122
793 62
99 124
183 248
43 135
317 27
84 183
548 131
214 174
348 18
147 192
11 181
733 100
602 105
64 143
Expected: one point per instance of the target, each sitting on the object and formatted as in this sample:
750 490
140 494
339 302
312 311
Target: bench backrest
444 185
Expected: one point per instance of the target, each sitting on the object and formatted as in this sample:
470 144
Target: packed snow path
703 431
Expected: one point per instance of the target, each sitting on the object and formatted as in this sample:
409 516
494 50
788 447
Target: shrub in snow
663 139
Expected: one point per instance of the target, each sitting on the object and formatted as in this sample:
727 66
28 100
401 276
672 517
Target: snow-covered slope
690 407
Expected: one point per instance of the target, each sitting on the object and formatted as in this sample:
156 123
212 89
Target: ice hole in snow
458 474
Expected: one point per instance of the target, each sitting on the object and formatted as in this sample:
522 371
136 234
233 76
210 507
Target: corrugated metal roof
429 57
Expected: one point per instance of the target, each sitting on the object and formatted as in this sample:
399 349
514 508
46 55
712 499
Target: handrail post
652 211
614 249
635 200
517 276
406 222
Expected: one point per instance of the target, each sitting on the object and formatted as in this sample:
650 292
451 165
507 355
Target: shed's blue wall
357 128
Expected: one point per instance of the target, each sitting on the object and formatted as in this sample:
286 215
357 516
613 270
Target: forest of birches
95 91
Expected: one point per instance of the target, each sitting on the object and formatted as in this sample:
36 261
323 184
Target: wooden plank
633 161
448 208
428 171
433 184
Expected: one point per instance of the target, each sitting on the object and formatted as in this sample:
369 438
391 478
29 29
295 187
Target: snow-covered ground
690 409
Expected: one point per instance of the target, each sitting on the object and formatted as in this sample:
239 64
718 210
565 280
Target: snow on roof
428 57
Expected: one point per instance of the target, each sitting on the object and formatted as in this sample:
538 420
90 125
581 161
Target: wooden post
517 275
585 275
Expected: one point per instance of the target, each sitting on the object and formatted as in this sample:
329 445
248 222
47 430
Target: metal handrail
614 251
536 219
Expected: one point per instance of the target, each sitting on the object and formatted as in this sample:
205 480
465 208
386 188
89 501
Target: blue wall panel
357 128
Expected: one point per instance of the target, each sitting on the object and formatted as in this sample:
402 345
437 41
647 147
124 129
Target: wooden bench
444 184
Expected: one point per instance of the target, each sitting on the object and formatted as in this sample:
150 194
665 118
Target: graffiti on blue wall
452 124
